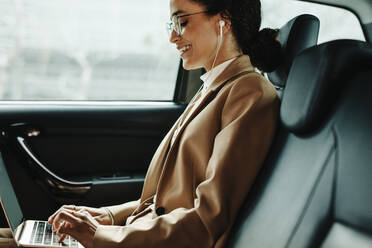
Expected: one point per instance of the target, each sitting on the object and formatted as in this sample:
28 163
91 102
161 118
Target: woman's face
198 42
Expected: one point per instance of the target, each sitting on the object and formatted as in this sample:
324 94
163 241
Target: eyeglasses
176 25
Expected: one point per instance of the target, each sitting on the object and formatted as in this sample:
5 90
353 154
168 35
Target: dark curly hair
245 15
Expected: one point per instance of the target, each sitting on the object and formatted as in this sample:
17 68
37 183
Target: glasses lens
177 26
169 28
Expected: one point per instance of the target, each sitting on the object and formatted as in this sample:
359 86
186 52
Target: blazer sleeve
121 212
248 119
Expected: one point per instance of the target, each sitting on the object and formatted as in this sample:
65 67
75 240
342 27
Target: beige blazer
202 179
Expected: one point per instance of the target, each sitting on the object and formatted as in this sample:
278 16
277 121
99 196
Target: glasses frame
175 25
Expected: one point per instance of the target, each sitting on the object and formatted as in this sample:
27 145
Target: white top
208 78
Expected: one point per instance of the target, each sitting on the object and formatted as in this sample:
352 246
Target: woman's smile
184 49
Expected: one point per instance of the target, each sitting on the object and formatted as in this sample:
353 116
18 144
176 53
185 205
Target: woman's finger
63 231
63 217
64 207
81 223
68 217
52 217
62 238
66 228
57 221
82 214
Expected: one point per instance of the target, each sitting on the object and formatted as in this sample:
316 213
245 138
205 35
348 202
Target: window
86 50
335 23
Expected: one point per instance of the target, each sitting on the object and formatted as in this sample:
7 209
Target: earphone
222 24
219 43
220 38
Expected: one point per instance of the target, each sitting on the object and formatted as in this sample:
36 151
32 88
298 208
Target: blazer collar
239 65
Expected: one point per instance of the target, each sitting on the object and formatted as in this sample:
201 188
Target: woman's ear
223 23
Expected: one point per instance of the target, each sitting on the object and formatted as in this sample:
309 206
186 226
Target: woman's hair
245 15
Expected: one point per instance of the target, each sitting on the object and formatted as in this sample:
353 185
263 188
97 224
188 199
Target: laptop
27 233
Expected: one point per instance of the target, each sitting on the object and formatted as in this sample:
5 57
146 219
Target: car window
335 23
86 50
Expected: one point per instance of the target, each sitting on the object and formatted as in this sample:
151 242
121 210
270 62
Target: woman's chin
188 65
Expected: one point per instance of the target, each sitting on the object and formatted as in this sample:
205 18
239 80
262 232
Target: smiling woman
223 136
204 184
206 164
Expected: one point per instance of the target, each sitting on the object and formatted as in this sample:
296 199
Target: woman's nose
173 37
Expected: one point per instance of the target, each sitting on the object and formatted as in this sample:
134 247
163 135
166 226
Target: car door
80 154
86 101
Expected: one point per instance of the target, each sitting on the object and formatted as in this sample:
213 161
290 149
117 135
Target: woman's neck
227 51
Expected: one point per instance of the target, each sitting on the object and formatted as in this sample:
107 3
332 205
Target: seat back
315 187
338 213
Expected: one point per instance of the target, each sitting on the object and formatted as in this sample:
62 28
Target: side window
335 23
86 50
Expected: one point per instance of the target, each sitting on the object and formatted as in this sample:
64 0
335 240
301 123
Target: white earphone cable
219 44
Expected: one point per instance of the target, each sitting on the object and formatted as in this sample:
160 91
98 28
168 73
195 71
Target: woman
204 167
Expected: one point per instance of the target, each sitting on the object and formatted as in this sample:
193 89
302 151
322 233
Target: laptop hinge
19 230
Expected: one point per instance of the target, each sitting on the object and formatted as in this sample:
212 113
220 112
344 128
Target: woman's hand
80 225
101 215
79 222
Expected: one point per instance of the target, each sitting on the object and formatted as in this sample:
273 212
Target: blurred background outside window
112 49
86 50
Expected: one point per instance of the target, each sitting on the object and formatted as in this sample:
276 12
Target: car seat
296 35
315 187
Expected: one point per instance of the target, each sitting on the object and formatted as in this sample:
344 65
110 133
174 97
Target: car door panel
80 153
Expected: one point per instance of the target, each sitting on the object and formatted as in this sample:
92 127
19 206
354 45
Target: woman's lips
184 49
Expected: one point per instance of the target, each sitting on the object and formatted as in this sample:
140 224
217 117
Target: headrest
298 34
317 74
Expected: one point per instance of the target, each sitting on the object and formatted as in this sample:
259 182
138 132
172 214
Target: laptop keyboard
42 234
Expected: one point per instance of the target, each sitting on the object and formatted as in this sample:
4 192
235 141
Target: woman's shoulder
253 82
246 93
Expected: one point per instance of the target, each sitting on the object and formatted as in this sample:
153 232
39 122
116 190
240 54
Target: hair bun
265 50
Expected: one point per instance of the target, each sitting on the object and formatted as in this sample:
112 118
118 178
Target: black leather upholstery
315 189
296 35
314 79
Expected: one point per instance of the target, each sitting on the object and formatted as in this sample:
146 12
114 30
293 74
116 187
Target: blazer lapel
241 65
165 151
156 165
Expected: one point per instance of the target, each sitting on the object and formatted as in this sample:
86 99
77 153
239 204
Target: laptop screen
9 199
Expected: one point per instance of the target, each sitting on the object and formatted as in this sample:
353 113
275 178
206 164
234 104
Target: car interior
314 188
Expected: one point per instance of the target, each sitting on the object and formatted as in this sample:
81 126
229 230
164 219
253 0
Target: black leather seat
315 188
295 36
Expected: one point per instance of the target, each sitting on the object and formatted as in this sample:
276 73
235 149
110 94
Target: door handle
57 185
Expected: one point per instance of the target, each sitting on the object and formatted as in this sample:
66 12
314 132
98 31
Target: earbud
222 24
